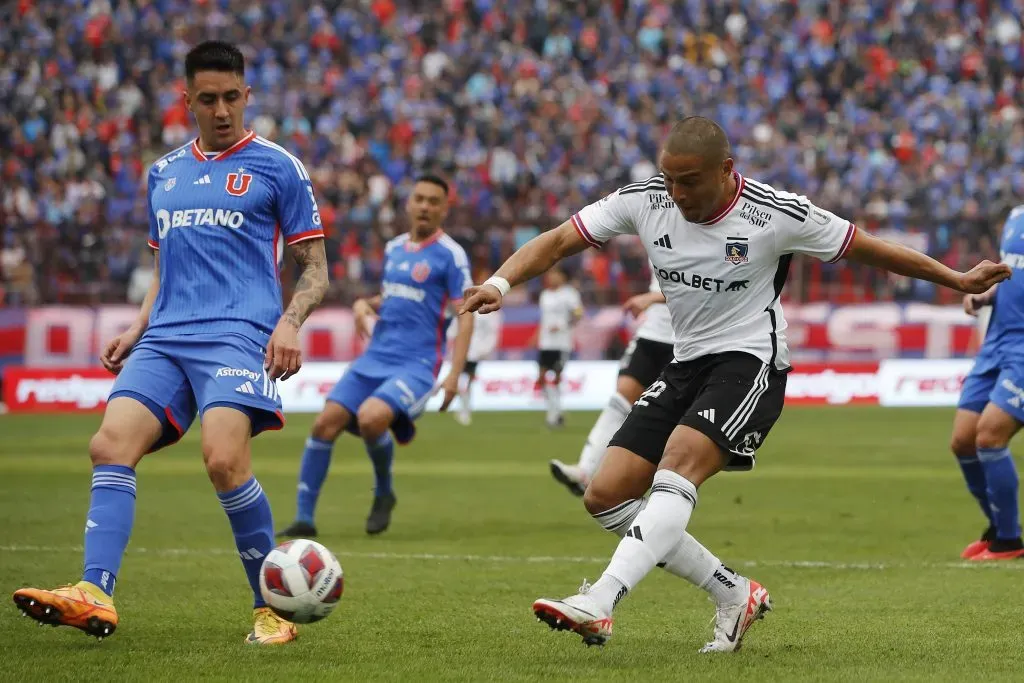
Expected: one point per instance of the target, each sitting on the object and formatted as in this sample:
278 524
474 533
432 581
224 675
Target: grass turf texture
853 520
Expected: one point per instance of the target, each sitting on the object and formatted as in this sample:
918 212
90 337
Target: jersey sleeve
459 279
154 226
822 234
613 215
297 212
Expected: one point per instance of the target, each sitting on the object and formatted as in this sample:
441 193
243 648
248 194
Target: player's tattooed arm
311 257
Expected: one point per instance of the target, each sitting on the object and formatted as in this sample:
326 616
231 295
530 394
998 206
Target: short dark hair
214 55
699 136
433 179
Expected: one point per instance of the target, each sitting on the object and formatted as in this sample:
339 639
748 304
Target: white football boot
579 613
732 621
571 477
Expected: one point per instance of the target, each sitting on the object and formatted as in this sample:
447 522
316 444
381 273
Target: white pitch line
546 559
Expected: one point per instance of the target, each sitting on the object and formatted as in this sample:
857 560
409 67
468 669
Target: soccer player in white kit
486 335
560 309
721 245
648 353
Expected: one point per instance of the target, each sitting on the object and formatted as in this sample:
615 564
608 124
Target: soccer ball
301 581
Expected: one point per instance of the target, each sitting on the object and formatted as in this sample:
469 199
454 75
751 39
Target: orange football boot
83 606
270 629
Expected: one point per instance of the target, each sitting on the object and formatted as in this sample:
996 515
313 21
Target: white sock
464 400
551 399
689 560
654 534
608 422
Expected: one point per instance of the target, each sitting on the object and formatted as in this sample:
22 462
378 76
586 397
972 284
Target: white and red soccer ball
301 581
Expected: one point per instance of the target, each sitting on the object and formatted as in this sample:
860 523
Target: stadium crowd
904 116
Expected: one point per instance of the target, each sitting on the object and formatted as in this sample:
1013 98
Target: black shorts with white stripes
732 398
644 360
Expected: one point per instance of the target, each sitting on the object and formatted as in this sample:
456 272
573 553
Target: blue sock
109 524
974 475
253 526
1001 479
316 460
382 453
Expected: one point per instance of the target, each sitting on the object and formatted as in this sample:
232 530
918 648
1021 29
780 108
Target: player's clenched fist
982 276
485 298
283 356
118 348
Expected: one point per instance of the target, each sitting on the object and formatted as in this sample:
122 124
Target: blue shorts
992 381
406 390
177 377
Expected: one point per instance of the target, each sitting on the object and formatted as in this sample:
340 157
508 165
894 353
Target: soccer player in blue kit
210 338
990 411
425 274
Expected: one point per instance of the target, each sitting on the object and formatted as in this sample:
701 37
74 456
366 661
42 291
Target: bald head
700 137
696 163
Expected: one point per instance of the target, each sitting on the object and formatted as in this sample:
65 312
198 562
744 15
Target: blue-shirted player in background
210 338
991 407
425 272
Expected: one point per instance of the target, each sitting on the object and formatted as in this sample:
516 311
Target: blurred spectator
899 115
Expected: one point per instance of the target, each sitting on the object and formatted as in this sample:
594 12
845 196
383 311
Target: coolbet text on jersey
220 222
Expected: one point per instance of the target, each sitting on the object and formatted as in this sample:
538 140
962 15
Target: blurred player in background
560 309
721 245
648 353
990 411
486 335
386 388
210 336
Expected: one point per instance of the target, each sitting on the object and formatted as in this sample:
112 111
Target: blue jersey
220 223
1005 335
420 281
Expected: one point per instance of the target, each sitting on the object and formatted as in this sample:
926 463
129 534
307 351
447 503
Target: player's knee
327 427
962 445
989 436
694 457
106 449
598 499
373 421
227 467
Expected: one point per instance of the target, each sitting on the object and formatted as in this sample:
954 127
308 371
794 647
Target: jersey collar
417 246
731 205
198 153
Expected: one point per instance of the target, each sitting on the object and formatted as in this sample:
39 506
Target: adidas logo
708 415
635 533
663 241
246 389
205 180
251 554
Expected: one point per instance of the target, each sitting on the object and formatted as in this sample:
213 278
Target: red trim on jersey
153 245
847 243
740 182
577 223
416 246
220 156
440 335
277 260
303 236
277 427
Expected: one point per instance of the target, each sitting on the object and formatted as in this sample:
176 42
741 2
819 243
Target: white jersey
486 335
558 307
657 325
722 278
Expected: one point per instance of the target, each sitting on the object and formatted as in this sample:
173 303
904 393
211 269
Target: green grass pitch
853 519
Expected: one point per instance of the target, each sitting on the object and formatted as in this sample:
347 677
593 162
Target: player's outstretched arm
460 350
283 356
365 312
635 305
532 259
117 350
902 260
